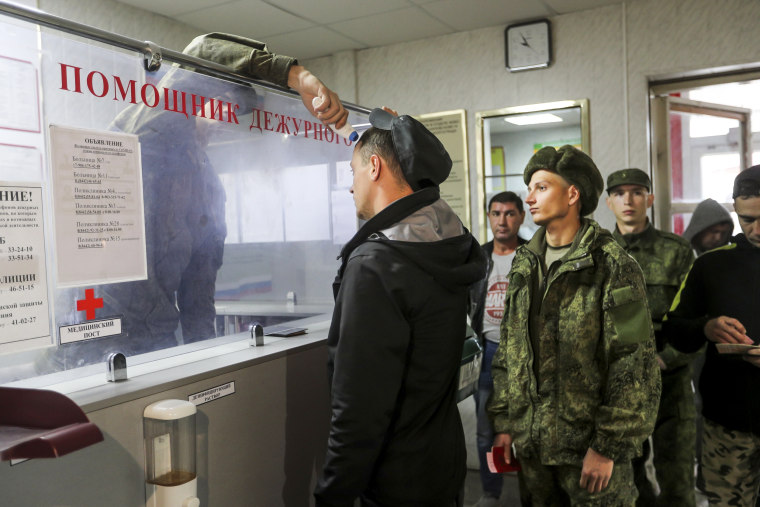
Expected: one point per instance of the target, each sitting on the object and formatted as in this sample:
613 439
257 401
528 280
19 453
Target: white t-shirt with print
496 291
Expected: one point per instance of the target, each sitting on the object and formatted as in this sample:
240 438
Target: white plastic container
170 475
346 130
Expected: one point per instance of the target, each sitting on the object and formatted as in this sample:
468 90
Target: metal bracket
257 335
153 56
117 367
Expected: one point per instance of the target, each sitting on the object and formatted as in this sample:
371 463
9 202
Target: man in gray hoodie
710 226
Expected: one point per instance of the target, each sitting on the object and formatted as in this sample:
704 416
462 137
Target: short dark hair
380 142
505 197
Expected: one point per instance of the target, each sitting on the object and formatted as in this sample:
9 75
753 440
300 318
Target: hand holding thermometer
346 130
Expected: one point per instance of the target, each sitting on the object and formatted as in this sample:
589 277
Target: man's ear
650 200
574 194
375 163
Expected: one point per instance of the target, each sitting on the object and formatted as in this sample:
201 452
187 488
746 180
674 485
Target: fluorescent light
533 119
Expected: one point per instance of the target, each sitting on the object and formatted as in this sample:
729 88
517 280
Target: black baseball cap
423 159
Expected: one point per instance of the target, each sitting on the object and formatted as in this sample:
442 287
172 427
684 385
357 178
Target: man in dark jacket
718 304
486 309
398 327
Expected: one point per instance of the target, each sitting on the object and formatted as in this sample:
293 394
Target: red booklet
498 465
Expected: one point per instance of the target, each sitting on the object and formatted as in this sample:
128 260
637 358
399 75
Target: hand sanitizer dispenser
169 432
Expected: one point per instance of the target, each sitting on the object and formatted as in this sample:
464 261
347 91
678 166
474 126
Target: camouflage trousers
559 486
730 468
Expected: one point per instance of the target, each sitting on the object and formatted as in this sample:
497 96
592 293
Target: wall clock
528 45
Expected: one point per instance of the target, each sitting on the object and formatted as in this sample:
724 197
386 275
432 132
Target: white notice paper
24 320
98 201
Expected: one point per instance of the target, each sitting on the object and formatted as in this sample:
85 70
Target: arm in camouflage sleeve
497 404
632 391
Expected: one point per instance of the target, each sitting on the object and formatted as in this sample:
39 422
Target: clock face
528 45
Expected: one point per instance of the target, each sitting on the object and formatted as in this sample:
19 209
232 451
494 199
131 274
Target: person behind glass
184 199
710 226
398 327
665 259
718 304
486 308
576 382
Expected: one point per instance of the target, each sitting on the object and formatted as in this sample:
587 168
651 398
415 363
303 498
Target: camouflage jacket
665 259
600 384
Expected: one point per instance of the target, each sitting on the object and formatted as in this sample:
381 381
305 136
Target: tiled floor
510 496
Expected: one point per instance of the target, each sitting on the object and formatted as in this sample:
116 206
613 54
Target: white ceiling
312 28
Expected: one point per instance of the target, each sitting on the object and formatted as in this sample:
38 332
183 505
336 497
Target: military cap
630 176
423 159
747 183
574 166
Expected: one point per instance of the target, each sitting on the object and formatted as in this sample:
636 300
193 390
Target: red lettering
329 133
144 95
173 103
215 107
267 120
318 131
282 127
130 89
296 125
199 107
256 120
306 128
103 80
231 113
65 80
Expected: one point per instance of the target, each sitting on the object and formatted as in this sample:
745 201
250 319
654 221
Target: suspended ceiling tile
472 14
311 43
391 27
332 11
567 6
172 8
249 18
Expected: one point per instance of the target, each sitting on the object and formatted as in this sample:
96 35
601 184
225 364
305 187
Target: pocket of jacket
630 316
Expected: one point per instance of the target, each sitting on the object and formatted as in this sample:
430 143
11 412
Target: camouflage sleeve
632 391
497 404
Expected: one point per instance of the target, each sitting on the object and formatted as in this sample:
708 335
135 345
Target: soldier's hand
596 471
726 330
504 440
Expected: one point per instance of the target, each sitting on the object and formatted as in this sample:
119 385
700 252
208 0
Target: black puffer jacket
724 281
395 346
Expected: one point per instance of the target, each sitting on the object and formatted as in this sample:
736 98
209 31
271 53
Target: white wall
605 54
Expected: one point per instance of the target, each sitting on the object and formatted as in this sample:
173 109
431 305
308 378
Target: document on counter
98 207
24 317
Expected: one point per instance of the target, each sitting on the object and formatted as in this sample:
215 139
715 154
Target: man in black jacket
486 309
398 327
718 303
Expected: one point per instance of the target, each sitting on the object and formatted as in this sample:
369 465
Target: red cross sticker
89 304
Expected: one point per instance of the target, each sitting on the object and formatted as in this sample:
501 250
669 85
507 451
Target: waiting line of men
665 260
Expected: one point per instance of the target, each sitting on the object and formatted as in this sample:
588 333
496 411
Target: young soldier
576 383
665 259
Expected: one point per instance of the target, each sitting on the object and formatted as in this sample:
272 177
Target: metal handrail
37 16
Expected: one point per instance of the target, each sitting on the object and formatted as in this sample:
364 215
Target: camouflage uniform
665 260
595 382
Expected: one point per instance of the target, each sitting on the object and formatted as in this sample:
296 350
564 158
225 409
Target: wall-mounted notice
450 128
19 107
98 202
24 320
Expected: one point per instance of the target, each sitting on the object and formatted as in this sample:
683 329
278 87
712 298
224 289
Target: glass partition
142 211
508 137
